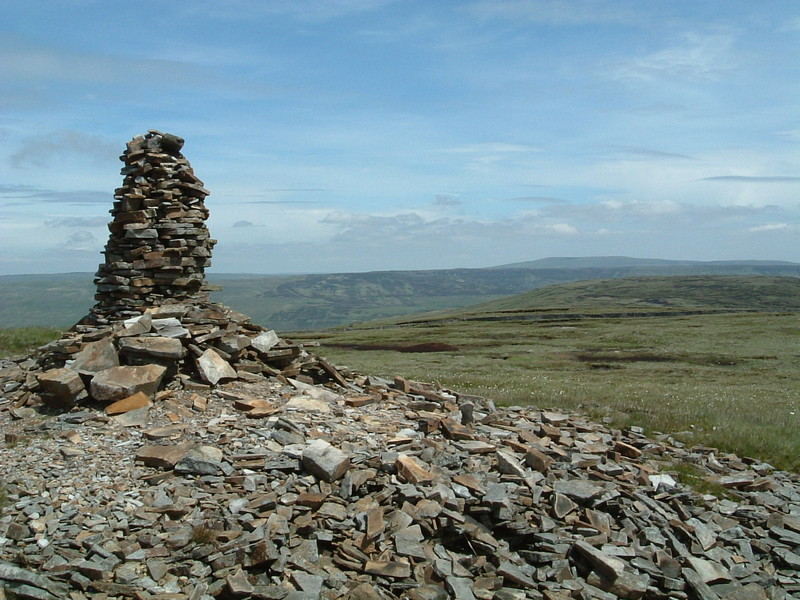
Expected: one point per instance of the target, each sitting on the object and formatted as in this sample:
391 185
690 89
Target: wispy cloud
650 153
773 227
556 12
447 200
494 147
308 11
696 57
754 179
30 194
537 200
240 224
25 61
41 151
76 222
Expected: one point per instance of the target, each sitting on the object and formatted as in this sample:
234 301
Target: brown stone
162 457
137 400
409 469
61 387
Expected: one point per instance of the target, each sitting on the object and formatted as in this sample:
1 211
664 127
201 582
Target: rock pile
171 346
283 490
159 245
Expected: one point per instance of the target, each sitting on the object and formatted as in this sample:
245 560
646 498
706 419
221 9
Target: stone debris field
166 448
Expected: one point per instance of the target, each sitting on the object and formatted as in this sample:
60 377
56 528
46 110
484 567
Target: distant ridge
320 301
616 262
677 292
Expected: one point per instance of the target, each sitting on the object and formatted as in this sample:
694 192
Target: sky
362 135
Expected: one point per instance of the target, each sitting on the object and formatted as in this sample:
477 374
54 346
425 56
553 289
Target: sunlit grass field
729 381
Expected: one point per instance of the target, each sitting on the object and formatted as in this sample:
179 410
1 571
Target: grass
22 340
205 533
728 381
690 475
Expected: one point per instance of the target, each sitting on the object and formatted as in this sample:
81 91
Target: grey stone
323 460
95 357
156 347
120 382
265 341
213 368
170 327
203 460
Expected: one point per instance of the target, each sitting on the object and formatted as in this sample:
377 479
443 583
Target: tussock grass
727 381
22 340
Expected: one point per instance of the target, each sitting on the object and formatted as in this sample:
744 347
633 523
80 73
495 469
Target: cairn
154 327
159 245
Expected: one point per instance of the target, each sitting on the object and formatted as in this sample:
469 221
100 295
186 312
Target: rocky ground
275 488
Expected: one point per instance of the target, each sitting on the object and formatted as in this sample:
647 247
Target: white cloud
696 57
81 241
772 227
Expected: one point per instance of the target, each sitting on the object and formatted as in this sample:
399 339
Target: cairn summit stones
159 245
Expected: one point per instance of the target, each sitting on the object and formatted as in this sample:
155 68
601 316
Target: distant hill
607 262
306 302
677 292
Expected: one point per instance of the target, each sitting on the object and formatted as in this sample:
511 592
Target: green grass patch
22 340
690 475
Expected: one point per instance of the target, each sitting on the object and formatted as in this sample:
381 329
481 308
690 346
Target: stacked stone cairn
159 245
153 326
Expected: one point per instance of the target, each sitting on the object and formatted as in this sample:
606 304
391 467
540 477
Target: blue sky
355 135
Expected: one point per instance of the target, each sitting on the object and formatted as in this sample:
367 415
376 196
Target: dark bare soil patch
606 357
429 347
426 347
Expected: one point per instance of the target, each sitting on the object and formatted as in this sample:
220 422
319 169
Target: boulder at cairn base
213 367
61 388
95 357
120 382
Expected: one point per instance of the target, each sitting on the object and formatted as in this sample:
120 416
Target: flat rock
117 383
202 460
162 457
157 347
95 357
323 460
